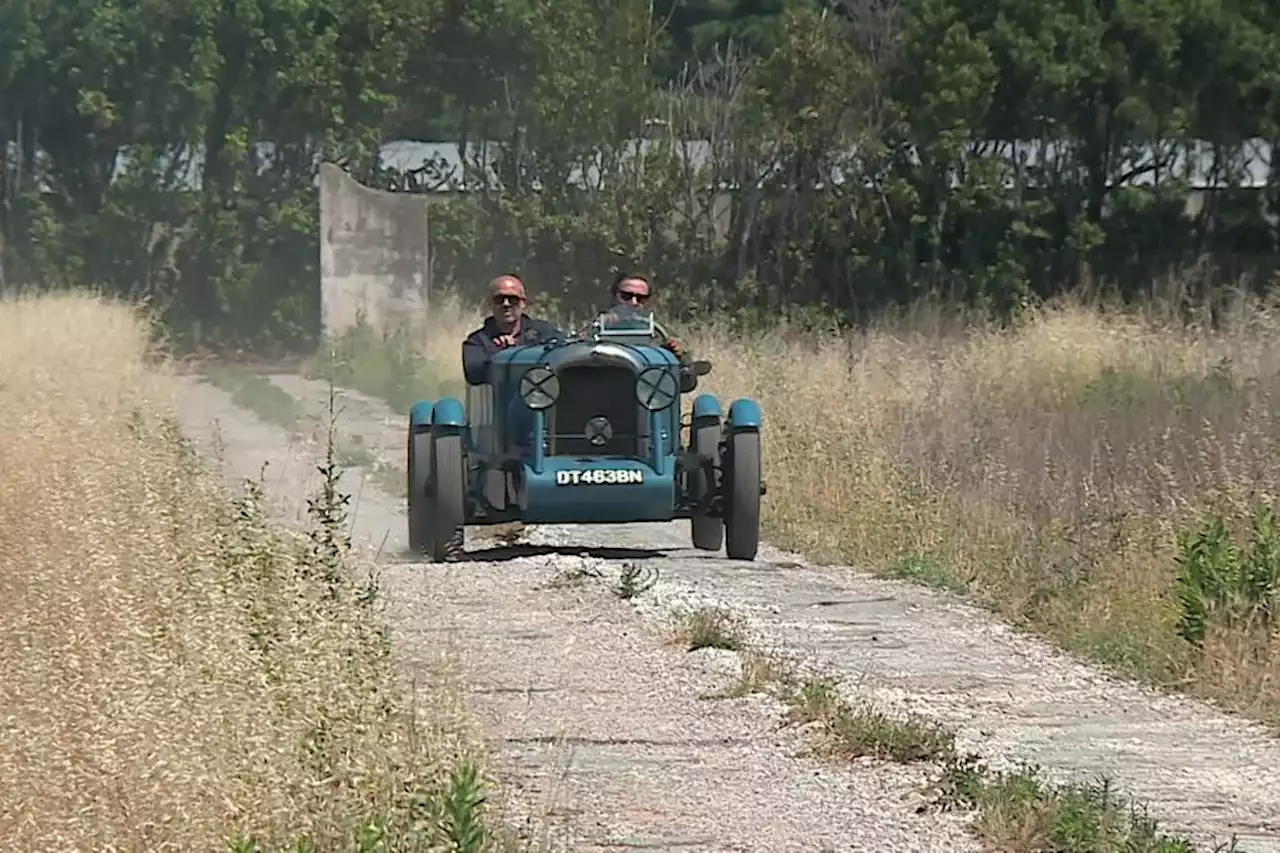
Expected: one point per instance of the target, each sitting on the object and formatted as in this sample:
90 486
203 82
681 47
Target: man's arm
668 341
475 360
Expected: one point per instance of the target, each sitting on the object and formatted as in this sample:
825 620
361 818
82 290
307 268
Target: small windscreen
625 320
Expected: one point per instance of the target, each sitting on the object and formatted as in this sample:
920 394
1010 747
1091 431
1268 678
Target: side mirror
700 368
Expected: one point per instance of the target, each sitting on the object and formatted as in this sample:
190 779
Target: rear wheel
708 532
448 499
419 470
742 496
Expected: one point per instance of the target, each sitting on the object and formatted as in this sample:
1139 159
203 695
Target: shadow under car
502 553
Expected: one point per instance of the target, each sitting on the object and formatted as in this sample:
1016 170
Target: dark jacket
479 346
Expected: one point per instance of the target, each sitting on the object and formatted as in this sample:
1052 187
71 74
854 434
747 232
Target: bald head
507 296
507 285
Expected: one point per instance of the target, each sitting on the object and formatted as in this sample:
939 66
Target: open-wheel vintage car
587 430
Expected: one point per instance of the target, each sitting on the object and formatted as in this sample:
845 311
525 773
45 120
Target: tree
139 126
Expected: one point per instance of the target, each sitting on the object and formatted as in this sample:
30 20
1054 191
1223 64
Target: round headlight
539 387
657 388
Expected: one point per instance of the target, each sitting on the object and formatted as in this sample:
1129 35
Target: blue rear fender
448 417
420 416
744 416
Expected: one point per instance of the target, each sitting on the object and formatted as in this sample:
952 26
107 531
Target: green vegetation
212 117
709 629
1016 811
1224 586
259 395
856 731
388 364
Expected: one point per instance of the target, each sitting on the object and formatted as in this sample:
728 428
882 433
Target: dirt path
600 725
1013 699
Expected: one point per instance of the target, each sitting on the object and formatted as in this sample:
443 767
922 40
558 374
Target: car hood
595 354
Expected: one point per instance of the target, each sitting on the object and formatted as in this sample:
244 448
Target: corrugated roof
439 165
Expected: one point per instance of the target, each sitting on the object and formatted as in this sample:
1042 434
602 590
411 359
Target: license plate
600 477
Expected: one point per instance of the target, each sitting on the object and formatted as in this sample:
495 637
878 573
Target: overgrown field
175 672
1105 479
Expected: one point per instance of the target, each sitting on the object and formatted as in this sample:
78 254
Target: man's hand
505 341
676 347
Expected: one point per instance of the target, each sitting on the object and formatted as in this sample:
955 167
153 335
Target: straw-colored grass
175 672
1047 470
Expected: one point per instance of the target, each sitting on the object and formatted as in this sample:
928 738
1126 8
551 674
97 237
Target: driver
506 326
634 291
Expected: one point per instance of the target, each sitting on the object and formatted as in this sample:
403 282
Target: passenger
507 326
634 291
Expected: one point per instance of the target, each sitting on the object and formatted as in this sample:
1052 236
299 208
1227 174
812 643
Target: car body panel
420 415
744 414
706 406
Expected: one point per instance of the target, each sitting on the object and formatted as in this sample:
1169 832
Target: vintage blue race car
586 430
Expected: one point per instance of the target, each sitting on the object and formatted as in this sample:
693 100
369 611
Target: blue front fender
706 406
744 414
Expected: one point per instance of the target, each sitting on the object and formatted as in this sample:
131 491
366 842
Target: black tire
742 496
419 480
448 499
708 532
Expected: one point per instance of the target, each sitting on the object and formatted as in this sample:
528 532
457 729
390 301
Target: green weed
386 363
1225 584
259 395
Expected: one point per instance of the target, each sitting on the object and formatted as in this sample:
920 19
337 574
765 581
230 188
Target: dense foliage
852 155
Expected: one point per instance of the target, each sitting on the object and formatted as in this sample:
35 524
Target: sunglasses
631 296
506 299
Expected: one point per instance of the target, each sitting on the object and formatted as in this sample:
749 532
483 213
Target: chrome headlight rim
539 387
657 388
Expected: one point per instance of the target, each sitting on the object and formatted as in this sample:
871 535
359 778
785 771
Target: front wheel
742 496
708 532
419 481
448 499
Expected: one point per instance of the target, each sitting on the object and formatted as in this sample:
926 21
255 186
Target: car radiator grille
590 392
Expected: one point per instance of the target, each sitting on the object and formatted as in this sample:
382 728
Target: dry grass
1046 470
175 673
